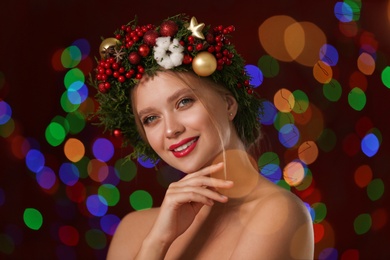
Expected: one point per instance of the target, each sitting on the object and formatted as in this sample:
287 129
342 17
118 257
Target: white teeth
184 146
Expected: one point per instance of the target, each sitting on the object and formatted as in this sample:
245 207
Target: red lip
187 150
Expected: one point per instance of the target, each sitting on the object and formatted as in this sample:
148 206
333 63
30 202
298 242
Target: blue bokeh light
69 174
103 149
370 145
5 112
35 160
46 178
256 75
329 55
97 205
269 113
289 135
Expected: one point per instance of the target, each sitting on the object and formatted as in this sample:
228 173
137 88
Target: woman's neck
240 168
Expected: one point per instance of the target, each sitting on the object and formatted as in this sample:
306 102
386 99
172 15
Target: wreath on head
179 44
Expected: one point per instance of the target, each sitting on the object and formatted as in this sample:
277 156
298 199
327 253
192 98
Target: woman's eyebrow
178 93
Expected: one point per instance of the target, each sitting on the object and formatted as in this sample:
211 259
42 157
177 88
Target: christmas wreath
180 44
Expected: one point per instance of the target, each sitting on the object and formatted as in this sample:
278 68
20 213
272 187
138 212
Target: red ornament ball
150 37
134 58
168 28
143 50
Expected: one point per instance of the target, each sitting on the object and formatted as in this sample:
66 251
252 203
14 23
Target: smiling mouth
185 146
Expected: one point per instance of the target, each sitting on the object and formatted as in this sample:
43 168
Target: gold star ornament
196 28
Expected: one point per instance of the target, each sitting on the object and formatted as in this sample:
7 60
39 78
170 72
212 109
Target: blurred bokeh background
323 68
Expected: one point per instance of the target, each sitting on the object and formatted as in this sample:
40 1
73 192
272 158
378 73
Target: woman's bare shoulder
280 227
130 233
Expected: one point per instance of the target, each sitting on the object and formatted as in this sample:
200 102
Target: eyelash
189 100
149 119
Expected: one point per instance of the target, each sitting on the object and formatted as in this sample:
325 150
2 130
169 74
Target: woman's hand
183 201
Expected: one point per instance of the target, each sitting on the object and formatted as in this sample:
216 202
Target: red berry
199 46
101 87
187 59
141 69
117 133
210 38
121 79
211 49
115 66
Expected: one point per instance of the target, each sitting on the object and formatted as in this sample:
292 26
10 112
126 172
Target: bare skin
223 208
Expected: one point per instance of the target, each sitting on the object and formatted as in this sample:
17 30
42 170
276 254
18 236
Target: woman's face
179 128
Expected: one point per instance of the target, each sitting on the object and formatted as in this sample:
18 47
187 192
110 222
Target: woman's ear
232 106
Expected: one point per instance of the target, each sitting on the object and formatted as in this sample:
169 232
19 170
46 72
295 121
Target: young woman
199 115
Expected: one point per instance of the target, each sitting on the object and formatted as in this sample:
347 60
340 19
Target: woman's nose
173 127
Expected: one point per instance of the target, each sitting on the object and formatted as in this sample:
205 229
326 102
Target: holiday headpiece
177 44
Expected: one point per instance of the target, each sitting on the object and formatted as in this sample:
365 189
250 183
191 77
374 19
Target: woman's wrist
153 249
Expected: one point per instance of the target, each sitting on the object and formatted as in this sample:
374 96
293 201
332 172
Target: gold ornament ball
107 45
204 64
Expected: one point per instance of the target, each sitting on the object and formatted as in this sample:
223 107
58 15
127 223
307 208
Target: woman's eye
148 120
185 101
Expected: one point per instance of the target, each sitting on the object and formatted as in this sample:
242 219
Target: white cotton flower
163 42
167 53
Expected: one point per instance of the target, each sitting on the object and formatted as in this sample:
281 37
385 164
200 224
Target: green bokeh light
71 57
269 66
301 101
332 90
63 122
355 7
283 184
96 239
357 99
375 189
7 129
306 181
362 223
141 199
72 76
82 165
327 140
33 218
55 134
66 105
268 158
110 193
126 169
76 122
386 77
320 211
7 245
282 119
